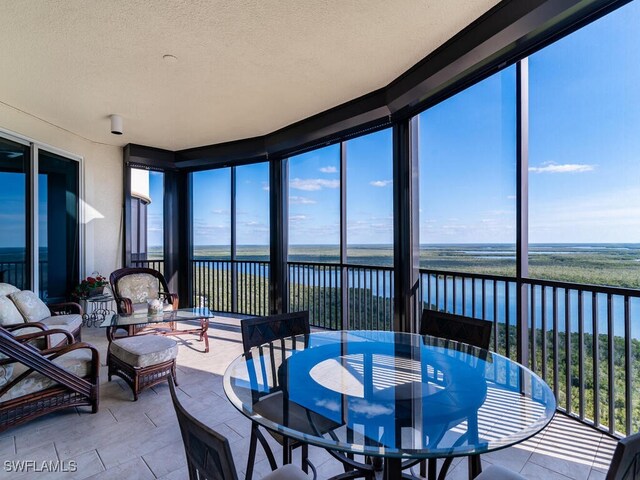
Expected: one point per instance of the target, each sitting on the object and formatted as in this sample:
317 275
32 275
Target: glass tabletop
141 318
389 394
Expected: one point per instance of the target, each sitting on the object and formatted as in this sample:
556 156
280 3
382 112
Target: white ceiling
244 68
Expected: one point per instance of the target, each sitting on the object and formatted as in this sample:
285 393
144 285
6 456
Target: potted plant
91 286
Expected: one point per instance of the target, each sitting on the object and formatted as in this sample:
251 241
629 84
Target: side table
98 308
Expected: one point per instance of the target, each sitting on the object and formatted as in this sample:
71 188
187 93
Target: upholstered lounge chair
36 382
23 312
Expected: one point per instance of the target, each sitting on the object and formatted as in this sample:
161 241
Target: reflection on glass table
134 322
395 395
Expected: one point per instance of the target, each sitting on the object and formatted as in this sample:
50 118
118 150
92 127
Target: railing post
279 216
406 246
233 265
344 272
522 210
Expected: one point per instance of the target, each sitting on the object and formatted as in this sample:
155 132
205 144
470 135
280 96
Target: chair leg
253 443
475 466
173 371
304 453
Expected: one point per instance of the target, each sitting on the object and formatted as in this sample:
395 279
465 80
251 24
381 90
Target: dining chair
458 328
625 463
257 331
208 452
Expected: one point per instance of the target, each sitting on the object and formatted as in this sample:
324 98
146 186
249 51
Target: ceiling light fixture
116 124
170 58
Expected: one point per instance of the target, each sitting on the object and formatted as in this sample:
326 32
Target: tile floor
141 440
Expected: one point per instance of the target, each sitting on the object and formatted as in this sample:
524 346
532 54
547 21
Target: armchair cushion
66 322
30 306
144 350
41 343
139 287
77 362
7 288
9 313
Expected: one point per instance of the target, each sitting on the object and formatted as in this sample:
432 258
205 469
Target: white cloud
331 405
329 170
380 183
265 186
301 201
565 168
220 212
297 218
313 184
370 410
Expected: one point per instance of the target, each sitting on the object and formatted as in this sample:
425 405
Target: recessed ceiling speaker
116 124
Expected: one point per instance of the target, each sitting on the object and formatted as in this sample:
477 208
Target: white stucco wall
102 186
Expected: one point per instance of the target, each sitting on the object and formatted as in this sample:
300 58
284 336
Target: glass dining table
399 396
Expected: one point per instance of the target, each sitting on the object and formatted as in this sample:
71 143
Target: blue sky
584 146
154 210
314 194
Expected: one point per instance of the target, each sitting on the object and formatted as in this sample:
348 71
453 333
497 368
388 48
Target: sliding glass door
58 232
39 218
14 182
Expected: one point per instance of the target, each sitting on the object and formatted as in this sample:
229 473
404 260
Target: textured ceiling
244 68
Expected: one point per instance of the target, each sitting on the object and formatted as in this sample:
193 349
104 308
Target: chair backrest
625 464
259 330
456 327
137 284
208 453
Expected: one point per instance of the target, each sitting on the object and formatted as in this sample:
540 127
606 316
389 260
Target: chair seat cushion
496 472
144 350
287 472
69 322
77 362
41 342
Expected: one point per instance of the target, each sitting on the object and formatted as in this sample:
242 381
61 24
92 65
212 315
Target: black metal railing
15 273
316 287
236 286
155 264
584 340
368 298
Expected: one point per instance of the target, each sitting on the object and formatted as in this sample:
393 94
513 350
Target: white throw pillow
31 307
9 314
7 288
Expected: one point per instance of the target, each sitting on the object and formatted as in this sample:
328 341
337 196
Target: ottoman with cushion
142 360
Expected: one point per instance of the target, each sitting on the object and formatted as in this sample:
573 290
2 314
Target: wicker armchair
36 382
133 286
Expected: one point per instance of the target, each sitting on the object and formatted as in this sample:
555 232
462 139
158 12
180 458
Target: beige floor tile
7 446
166 460
134 469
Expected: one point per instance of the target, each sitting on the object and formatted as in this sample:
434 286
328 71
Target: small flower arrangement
90 286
